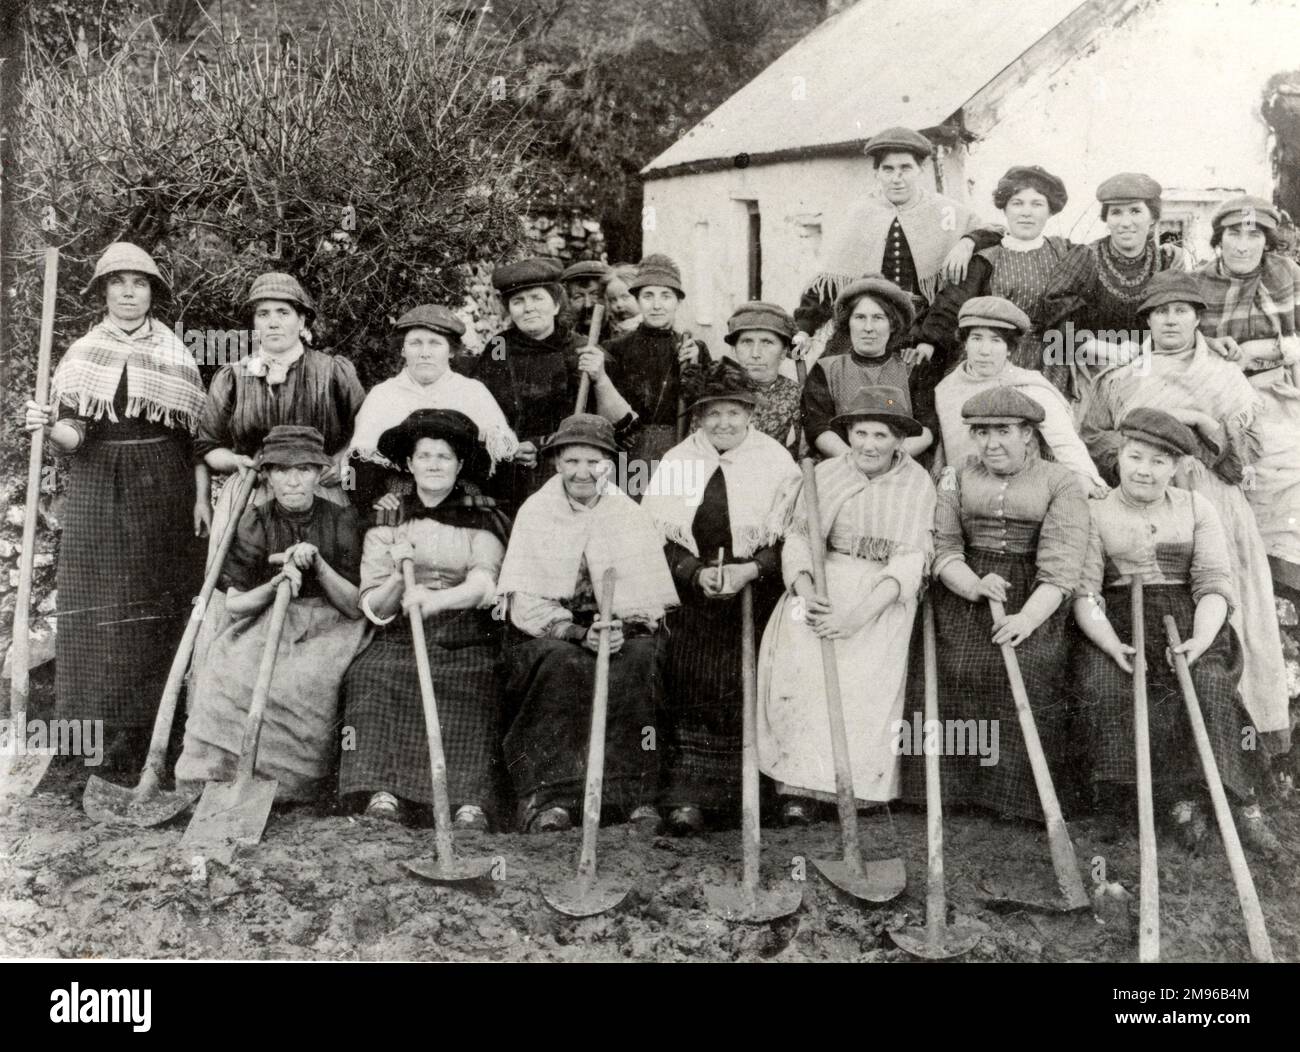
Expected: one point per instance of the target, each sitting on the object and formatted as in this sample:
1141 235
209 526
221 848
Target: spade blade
878 881
228 815
743 905
454 871
579 898
935 944
116 804
20 772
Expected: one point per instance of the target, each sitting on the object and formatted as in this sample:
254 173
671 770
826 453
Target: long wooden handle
433 728
1260 946
936 901
1148 873
593 336
596 740
162 724
834 708
750 843
262 690
20 682
1058 836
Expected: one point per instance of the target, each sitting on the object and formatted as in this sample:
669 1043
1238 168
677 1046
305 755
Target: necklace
1123 277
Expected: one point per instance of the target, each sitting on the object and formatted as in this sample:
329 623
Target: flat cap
1160 429
725 380
886 404
584 268
451 425
759 315
1036 176
276 285
289 445
899 139
509 278
657 269
1248 210
992 312
1001 405
1128 186
583 429
1172 286
433 317
877 287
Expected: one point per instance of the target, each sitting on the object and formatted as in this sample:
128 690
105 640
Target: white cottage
1175 88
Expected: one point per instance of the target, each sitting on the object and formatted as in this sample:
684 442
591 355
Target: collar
862 359
1013 244
411 382
656 334
1138 505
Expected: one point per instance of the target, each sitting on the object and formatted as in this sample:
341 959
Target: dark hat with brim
1247 210
285 288
724 381
583 429
879 287
432 317
769 317
292 445
887 405
992 312
585 269
657 270
1159 429
1128 186
899 140
1172 286
397 444
534 272
1039 178
1001 405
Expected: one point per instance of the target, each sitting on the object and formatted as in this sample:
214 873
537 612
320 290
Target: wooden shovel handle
1148 873
262 690
596 740
593 336
749 803
936 902
1260 946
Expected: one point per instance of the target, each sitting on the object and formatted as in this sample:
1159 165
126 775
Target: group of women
951 453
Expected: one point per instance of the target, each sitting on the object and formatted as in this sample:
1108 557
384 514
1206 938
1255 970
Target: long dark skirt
549 686
383 709
973 685
703 697
129 566
1104 707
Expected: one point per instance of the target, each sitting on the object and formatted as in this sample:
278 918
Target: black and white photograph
708 481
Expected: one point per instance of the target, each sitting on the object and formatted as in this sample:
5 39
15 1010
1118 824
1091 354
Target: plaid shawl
1260 305
163 382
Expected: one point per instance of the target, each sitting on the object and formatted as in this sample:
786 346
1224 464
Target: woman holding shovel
456 539
315 546
1173 539
124 403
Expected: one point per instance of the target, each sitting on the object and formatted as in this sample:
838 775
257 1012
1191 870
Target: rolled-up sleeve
1211 569
539 617
949 539
1094 564
377 566
1063 539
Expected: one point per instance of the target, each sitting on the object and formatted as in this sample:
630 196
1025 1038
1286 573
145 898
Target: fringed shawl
551 539
162 379
759 473
1259 305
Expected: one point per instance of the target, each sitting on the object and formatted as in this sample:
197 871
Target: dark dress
703 687
833 381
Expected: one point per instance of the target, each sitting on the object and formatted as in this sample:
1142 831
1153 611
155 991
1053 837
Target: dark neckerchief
464 507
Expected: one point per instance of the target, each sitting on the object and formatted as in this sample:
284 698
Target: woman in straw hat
124 402
876 508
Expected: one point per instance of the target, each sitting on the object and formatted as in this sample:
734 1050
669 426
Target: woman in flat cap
1252 293
1013 527
1177 372
1090 310
760 336
124 402
1173 539
429 338
874 314
456 538
1018 268
315 545
876 506
989 329
717 499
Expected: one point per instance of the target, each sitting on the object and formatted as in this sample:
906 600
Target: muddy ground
328 886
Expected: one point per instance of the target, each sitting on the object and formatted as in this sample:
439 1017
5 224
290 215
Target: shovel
147 805
445 868
593 334
1260 947
587 895
1058 836
1149 875
235 813
747 902
876 881
937 941
20 769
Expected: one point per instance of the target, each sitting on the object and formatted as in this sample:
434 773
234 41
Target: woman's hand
303 555
331 476
1012 629
736 575
991 586
592 362
1194 418
1191 649
293 575
922 352
711 581
38 416
386 509
202 517
399 551
957 260
1098 490
526 455
434 603
799 345
1122 654
417 597
1224 347
688 351
592 642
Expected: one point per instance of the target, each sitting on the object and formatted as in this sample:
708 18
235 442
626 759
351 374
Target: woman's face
293 487
658 306
760 352
277 325
899 176
427 354
582 469
1242 247
128 296
1003 447
986 352
724 423
1173 325
1129 223
620 303
1027 212
869 327
533 312
872 444
435 466
1145 470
